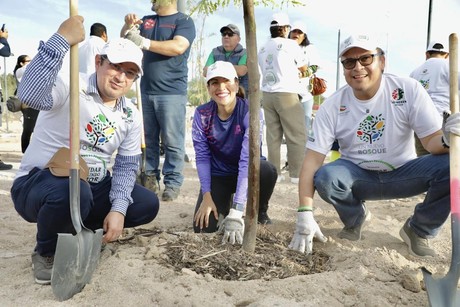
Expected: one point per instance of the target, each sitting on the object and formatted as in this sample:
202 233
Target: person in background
88 50
29 115
231 51
299 34
374 118
281 62
434 77
109 124
5 51
220 133
166 38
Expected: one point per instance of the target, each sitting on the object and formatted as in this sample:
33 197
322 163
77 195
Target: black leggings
29 119
223 187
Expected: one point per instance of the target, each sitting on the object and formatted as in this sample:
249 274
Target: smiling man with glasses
374 118
231 51
109 126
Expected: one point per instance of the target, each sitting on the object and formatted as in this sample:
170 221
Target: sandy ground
376 271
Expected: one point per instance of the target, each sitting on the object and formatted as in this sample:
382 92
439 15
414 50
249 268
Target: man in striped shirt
109 124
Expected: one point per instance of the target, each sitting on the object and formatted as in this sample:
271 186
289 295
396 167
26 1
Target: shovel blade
75 260
443 291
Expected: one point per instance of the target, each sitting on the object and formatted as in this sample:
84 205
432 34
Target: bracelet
304 208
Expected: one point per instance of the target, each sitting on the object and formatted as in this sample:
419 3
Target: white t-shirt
434 77
103 131
376 134
87 53
279 61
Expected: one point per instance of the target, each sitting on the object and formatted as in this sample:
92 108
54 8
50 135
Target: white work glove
450 124
306 229
134 35
233 227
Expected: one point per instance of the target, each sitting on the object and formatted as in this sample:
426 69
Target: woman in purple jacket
220 135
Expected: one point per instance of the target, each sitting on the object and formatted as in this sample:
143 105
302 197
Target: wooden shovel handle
454 139
74 100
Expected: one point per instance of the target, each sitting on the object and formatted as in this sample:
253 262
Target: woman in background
29 115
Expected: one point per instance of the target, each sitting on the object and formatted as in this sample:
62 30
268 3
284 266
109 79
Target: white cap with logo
362 41
123 50
221 69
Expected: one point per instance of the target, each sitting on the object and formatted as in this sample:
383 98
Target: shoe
285 167
42 267
280 178
170 193
151 182
264 219
354 233
294 180
4 166
418 246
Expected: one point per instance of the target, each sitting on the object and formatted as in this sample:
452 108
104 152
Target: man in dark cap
231 51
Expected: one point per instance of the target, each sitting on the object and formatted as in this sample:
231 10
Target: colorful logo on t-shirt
371 128
149 24
397 94
425 84
100 130
398 97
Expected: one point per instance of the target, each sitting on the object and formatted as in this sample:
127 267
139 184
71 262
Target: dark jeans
42 198
29 119
222 188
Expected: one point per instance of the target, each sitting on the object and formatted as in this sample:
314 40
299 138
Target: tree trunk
249 239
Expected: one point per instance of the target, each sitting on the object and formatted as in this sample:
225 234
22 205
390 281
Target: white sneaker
280 178
294 180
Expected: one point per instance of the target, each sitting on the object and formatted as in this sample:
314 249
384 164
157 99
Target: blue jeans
42 198
346 186
164 115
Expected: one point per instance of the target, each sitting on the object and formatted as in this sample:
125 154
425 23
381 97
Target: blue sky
400 26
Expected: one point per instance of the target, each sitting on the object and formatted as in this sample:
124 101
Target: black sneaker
264 219
4 166
170 193
418 246
354 233
42 267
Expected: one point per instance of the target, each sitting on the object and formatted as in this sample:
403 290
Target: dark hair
241 92
97 29
21 59
277 31
305 41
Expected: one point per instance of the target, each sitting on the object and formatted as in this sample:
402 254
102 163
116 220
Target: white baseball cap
362 41
123 50
299 25
438 47
279 20
221 69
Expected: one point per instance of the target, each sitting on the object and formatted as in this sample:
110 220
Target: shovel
76 255
141 177
443 291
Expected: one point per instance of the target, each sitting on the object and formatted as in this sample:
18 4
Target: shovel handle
454 139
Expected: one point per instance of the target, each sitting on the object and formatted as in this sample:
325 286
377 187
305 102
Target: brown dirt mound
204 254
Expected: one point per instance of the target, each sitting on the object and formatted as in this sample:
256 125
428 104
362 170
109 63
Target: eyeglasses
364 60
229 34
130 75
